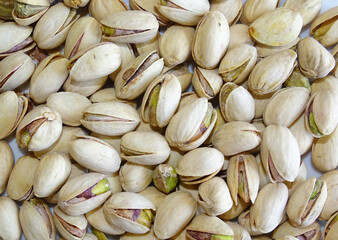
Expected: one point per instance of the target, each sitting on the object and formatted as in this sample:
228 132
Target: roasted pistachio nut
154 195
311 232
316 63
86 88
277 27
182 11
110 118
76 4
39 129
15 38
191 125
232 9
182 73
52 28
20 182
6 7
330 207
330 229
70 227
329 83
236 103
100 9
297 79
166 223
239 34
244 221
270 73
149 6
324 28
84 193
130 212
235 211
206 83
240 233
6 162
307 202
308 9
161 100
253 9
26 12
264 50
165 178
10 227
129 26
13 109
301 177
94 154
236 137
15 70
36 220
205 53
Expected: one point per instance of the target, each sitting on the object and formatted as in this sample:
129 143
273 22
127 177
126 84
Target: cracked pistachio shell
50 174
154 195
302 135
146 148
191 125
264 50
151 45
308 9
20 182
84 33
161 100
100 9
186 99
15 70
315 61
12 108
76 3
48 77
6 163
238 63
14 37
127 56
52 28
240 233
219 122
9 222
286 105
37 220
232 9
244 221
134 79
94 154
330 230
236 137
311 232
134 177
26 12
207 52
184 12
263 175
70 227
272 198
271 72
243 177
297 79
280 153
214 196
149 6
86 88
146 236
235 211
239 34
236 103
110 118
70 106
129 26
71 199
253 9
330 206
123 202
307 202
325 27
182 73
277 27
175 44
301 177
166 223
199 165
207 83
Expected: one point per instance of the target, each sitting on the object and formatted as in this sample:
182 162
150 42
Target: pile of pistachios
168 119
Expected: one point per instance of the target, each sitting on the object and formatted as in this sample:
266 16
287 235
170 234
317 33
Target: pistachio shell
308 9
311 232
330 207
244 221
154 195
149 46
127 56
253 9
149 6
9 222
207 83
25 20
240 232
330 229
99 9
302 176
302 135
113 141
235 210
84 88
76 4
146 236
6 162
232 9
265 50
239 34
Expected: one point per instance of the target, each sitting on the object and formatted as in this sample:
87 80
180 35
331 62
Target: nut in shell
207 83
26 12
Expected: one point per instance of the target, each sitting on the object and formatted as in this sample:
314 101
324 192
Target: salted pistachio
134 177
219 122
149 6
15 70
263 175
84 193
113 141
36 220
240 233
277 27
130 212
297 79
154 195
129 26
7 163
260 103
90 236
186 99
330 230
334 53
84 33
307 202
207 54
134 79
301 177
327 83
6 7
235 210
52 28
182 73
311 232
104 95
48 77
253 9
110 118
99 9
166 223
15 38
76 3
26 12
232 9
161 100
207 83
86 88
10 227
244 221
239 34
145 236
271 72
236 137
265 50
127 56
148 46
70 227
13 109
325 27
330 206
184 12
302 135
165 178
308 9
236 103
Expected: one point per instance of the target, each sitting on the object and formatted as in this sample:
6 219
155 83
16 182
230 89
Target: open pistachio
26 12
311 232
10 227
7 163
207 83
253 9
99 9
86 88
239 34
154 195
302 135
6 7
149 6
235 210
297 79
308 9
330 207
165 178
330 229
232 9
76 4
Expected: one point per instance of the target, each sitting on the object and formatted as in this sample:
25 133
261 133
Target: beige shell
84 88
330 231
100 9
219 122
25 21
239 34
260 103
287 228
232 9
302 135
146 236
240 232
134 177
330 206
127 56
76 4
207 83
264 50
302 176
308 9
154 195
10 227
244 221
329 83
149 6
253 9
151 45
235 211
6 162
114 141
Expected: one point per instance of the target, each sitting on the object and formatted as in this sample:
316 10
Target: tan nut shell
239 34
308 9
9 223
146 236
84 88
302 135
332 232
207 83
287 228
154 195
6 162
239 232
100 9
264 50
232 9
149 6
25 21
235 210
301 177
331 206
127 56
253 9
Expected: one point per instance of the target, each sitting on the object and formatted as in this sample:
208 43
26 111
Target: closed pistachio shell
330 230
10 227
232 9
302 135
207 83
149 6
330 207
26 12
86 88
253 9
311 232
134 177
308 9
6 162
239 34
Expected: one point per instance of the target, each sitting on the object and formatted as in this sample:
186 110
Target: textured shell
154 195
332 233
135 177
302 135
253 9
29 20
127 56
239 34
10 224
146 236
239 231
6 162
84 88
287 228
308 9
264 50
232 9
330 207
76 4
149 6
208 224
100 9
207 83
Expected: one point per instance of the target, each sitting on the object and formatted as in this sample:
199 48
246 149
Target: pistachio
149 6
10 227
311 232
6 162
148 46
207 83
146 236
297 79
330 229
6 7
265 50
239 231
27 12
253 9
154 195
302 135
331 180
235 210
76 3
84 88
232 10
308 9
100 9
239 34
165 178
